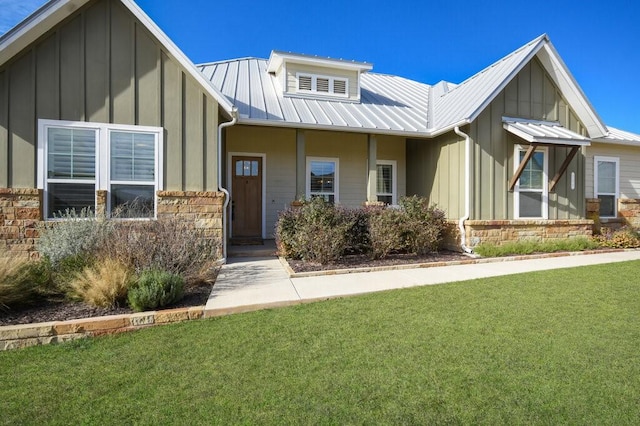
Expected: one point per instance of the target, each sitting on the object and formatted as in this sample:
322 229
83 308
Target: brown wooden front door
246 202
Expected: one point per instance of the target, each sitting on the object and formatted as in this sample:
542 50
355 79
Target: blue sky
428 41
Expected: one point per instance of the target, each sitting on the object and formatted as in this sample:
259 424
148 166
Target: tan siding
394 148
351 149
4 125
22 145
172 119
279 146
629 157
97 63
71 71
435 169
147 79
210 144
193 133
122 63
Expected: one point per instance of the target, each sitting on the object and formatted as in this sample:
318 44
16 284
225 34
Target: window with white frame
606 185
322 178
386 181
323 85
531 190
75 159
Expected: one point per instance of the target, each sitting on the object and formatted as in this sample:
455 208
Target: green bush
529 246
386 232
155 288
286 231
424 225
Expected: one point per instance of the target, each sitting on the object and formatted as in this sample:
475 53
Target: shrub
624 237
20 280
168 244
77 234
155 288
386 232
424 225
529 247
285 231
357 237
104 284
317 232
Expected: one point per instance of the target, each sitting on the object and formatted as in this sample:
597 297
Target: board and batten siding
435 170
279 147
629 172
293 69
102 65
530 95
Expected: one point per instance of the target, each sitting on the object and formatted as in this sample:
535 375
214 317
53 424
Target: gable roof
55 11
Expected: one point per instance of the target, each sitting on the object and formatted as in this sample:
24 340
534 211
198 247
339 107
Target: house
98 108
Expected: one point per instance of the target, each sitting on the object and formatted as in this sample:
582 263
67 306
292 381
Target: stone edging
24 335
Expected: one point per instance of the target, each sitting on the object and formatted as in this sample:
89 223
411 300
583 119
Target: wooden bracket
563 168
523 164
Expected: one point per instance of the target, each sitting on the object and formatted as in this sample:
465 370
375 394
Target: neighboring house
98 108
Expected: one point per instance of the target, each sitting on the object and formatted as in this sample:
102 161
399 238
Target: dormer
308 76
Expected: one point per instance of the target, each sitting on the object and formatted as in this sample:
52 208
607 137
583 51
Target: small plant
19 280
155 288
528 247
624 237
73 235
104 284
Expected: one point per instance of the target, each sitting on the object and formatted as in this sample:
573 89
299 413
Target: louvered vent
340 87
322 85
304 82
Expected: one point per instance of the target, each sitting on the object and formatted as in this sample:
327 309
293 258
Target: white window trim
394 180
314 85
336 186
103 161
545 182
596 192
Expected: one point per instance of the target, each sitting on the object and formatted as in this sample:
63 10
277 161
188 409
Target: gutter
467 189
227 197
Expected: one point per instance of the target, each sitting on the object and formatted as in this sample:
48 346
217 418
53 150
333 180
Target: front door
246 204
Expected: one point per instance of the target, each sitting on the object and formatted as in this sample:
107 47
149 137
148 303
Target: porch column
372 192
301 165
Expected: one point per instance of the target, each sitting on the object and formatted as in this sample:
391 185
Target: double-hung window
322 178
386 181
606 186
75 159
531 190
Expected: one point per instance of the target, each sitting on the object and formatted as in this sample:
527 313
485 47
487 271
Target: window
322 85
386 182
531 190
606 187
80 158
322 178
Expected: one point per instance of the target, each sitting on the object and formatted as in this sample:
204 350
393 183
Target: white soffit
544 132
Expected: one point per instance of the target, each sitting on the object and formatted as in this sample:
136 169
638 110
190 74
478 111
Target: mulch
363 261
63 310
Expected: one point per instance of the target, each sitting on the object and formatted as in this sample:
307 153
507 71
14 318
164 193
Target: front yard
542 348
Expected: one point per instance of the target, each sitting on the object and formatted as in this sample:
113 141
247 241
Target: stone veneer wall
202 209
629 210
500 231
20 213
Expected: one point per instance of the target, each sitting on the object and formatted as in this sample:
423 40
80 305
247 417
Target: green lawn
555 347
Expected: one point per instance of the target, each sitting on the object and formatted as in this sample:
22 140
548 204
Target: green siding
102 65
435 169
531 94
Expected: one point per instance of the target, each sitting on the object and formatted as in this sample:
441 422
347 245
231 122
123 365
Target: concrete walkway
250 283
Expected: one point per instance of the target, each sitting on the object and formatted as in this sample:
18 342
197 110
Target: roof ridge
225 61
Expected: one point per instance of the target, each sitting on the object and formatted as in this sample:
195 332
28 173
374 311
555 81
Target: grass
530 246
552 347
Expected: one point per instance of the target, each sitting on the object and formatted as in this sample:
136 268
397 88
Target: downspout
467 189
234 119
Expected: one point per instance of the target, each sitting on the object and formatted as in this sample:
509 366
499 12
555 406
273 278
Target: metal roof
543 132
621 137
388 104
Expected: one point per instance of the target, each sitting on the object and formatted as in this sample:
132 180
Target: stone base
501 231
20 213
